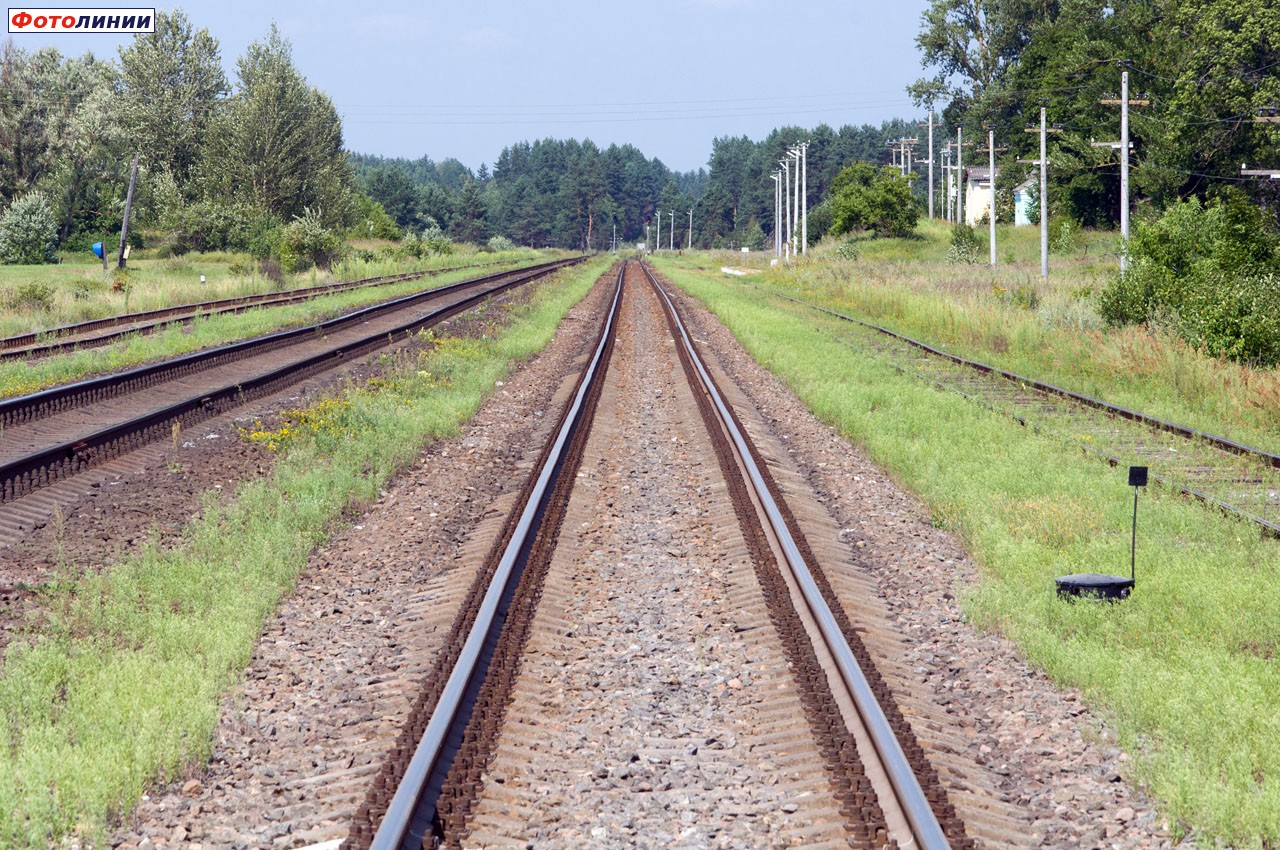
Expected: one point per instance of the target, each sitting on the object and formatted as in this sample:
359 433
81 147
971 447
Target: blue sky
465 79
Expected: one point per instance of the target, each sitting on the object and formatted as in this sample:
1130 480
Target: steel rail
55 399
1270 459
36 470
1133 415
26 345
924 823
395 830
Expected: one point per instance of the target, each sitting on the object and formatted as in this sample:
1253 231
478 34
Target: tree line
225 164
1203 70
574 194
1204 86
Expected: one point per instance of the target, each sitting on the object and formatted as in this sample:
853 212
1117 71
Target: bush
29 231
500 243
372 221
1062 234
864 197
1209 273
435 243
33 295
213 225
964 245
847 250
306 242
819 221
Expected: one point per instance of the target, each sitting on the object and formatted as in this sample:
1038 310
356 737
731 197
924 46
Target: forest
1203 73
257 163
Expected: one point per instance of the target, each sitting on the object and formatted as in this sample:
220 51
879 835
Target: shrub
434 242
1210 273
964 245
500 243
270 269
864 197
847 250
1062 234
29 231
372 221
819 221
306 242
33 295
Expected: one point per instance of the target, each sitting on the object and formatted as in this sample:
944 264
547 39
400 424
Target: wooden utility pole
128 208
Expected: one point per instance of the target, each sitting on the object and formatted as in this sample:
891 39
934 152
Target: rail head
396 824
928 832
53 395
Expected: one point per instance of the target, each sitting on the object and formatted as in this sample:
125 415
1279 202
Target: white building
977 193
977 196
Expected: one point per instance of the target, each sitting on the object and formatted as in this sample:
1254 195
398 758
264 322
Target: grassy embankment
121 688
1185 670
1052 332
165 283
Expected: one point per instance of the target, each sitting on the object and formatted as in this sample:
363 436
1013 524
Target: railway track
56 434
99 332
483 737
1239 479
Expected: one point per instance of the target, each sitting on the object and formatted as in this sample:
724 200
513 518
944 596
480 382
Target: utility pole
1124 170
1124 103
795 205
991 147
1044 199
777 213
991 214
1270 115
804 193
786 198
931 162
657 243
671 237
128 207
959 175
615 237
1043 162
690 248
946 182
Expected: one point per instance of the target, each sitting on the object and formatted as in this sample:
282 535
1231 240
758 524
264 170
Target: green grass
19 377
121 688
1185 670
1009 318
35 298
